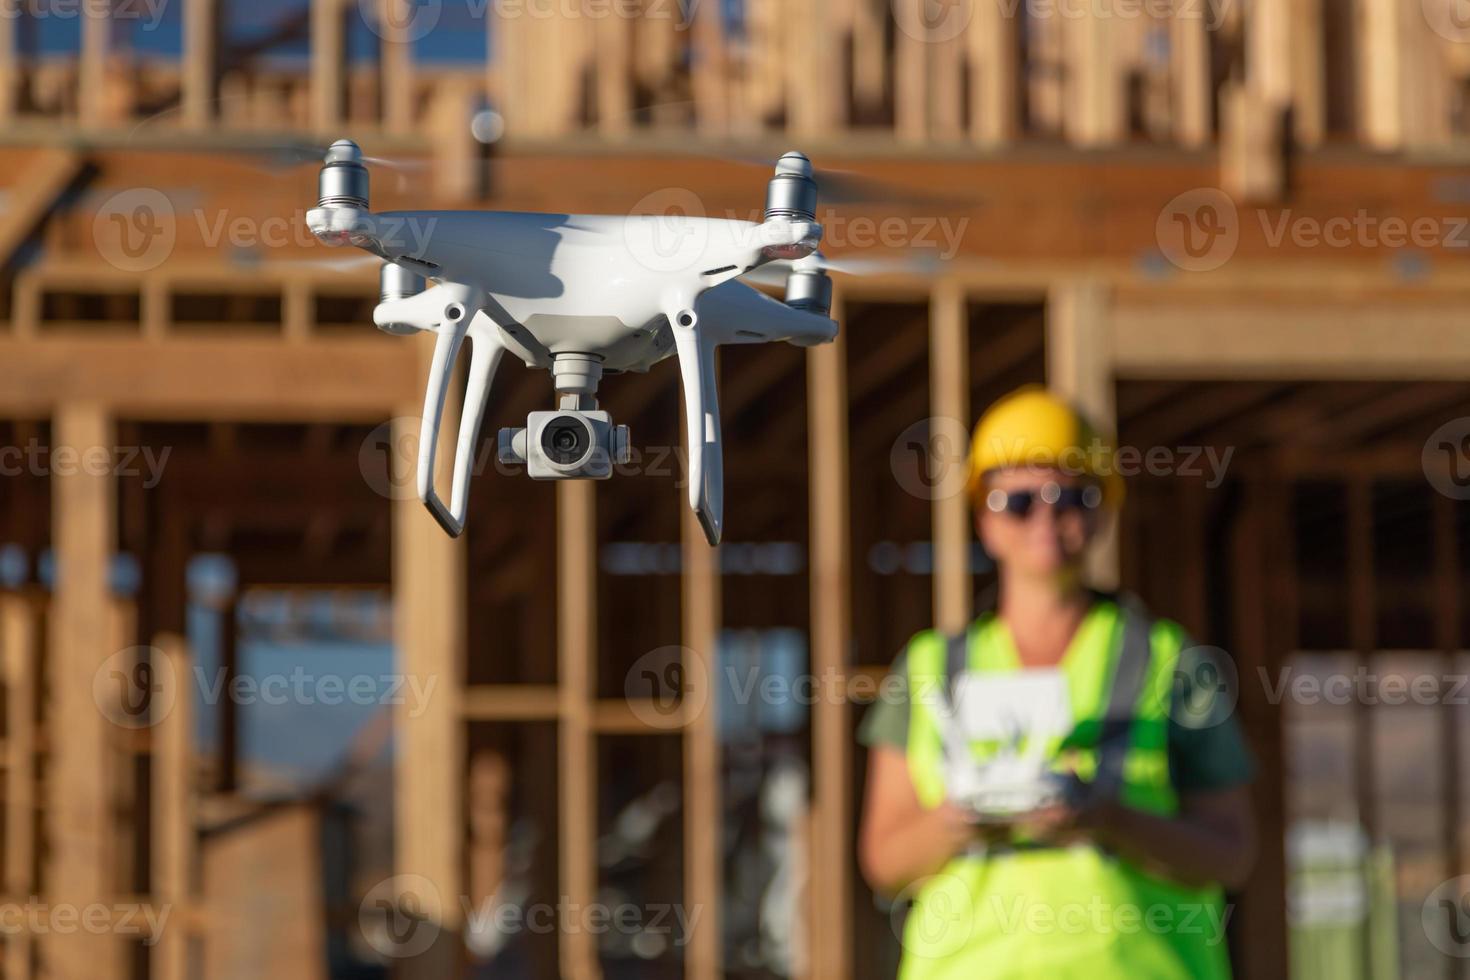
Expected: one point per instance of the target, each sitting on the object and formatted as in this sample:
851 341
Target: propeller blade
342 264
774 273
283 155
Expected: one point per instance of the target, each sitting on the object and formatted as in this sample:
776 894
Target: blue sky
154 27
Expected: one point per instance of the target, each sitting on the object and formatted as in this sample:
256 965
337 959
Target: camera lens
565 440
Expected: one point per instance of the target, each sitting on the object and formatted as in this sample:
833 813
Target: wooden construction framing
949 401
197 89
173 810
994 97
1194 102
1080 365
81 640
704 814
1381 73
397 66
328 63
429 627
831 618
10 72
19 645
953 81
576 597
1098 327
93 89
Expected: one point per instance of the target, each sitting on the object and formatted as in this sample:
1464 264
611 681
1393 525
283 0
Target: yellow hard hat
1033 427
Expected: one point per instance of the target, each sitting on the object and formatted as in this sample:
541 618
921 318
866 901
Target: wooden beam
946 69
1308 61
1362 584
511 702
172 811
703 811
1448 582
1096 115
35 193
79 815
949 405
576 641
93 90
830 584
910 72
201 62
429 625
1193 96
707 73
995 116
870 65
1258 559
1247 339
1268 61
19 645
210 378
10 69
395 71
1380 74
1252 159
614 61
1080 364
328 65
456 153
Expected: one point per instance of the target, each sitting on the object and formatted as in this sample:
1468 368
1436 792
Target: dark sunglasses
1063 500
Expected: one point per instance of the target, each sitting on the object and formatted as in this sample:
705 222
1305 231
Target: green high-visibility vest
1026 911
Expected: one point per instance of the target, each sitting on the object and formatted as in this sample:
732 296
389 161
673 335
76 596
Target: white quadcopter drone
581 295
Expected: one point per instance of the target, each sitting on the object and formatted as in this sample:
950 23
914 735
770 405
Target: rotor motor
343 182
395 283
809 290
792 192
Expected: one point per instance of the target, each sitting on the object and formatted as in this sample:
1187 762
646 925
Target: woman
1136 811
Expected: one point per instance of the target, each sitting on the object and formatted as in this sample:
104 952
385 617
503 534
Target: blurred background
263 719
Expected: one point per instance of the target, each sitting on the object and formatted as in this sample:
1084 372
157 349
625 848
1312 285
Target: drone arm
696 348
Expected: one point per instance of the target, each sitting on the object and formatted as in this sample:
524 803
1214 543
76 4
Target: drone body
580 295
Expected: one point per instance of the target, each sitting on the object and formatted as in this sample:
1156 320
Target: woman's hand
900 841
